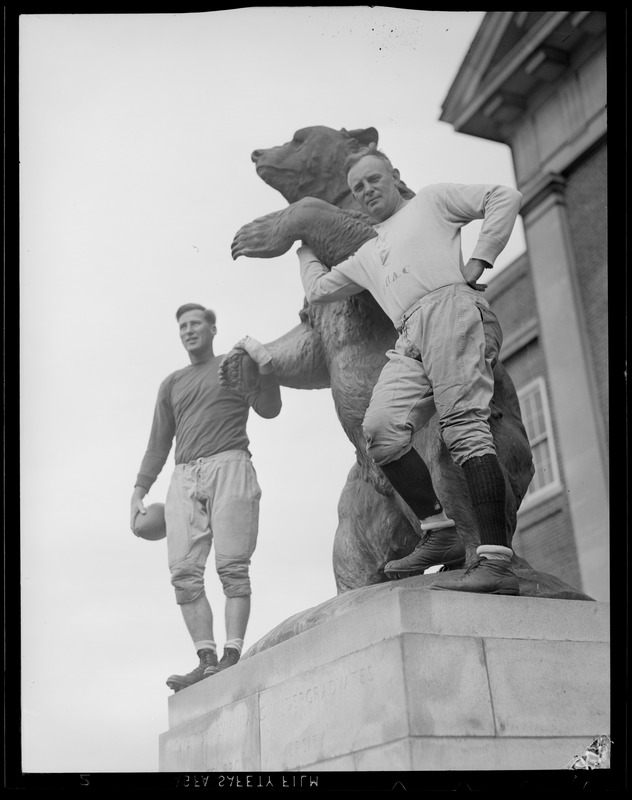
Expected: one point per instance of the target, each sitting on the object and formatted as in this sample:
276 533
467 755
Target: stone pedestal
407 679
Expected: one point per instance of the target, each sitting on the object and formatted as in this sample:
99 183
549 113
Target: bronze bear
342 345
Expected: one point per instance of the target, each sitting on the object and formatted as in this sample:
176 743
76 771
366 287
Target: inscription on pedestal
338 701
319 692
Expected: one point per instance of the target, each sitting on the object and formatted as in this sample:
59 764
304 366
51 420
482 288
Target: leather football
151 526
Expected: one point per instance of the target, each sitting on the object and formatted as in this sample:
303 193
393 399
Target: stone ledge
533 585
424 753
366 616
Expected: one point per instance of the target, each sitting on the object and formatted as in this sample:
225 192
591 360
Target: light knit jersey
418 249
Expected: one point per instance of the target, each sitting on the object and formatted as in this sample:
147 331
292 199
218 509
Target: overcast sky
135 141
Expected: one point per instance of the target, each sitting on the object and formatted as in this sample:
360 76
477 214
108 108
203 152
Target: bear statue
343 345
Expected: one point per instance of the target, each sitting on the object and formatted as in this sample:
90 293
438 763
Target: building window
534 406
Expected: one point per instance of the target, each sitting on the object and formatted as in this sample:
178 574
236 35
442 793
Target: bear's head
311 164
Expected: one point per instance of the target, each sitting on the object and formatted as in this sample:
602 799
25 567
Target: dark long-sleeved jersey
204 418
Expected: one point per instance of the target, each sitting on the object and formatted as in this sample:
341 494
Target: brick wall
544 536
512 296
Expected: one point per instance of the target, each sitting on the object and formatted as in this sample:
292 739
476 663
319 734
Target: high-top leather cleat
436 547
229 659
485 576
208 658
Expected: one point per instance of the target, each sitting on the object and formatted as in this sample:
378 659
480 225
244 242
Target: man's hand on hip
473 270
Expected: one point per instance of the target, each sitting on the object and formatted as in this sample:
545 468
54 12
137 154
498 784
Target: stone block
497 617
447 687
391 757
224 740
484 753
397 677
358 699
549 689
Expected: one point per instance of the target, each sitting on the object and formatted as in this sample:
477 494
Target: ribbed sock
486 485
411 479
236 644
494 552
205 644
436 523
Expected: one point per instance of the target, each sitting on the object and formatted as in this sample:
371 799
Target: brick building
536 81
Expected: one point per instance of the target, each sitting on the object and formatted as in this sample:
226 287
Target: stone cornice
458 112
485 103
546 185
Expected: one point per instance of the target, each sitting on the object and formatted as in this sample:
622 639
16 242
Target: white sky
135 141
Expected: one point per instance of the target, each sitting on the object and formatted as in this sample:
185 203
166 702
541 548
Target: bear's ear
363 135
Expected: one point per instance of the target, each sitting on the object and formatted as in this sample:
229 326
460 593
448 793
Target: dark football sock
411 479
486 485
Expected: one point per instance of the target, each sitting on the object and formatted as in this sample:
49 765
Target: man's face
374 186
195 332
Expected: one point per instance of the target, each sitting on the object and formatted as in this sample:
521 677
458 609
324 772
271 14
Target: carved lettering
319 692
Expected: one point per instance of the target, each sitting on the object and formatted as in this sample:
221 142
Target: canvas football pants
442 361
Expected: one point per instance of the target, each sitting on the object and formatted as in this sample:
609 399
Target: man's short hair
353 158
209 314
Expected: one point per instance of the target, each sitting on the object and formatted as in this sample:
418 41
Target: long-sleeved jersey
204 418
418 249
